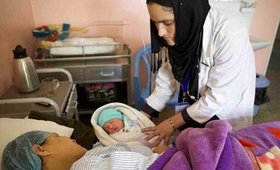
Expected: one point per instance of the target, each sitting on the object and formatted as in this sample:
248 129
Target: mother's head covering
19 155
189 18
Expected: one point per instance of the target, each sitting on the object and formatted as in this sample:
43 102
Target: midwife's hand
164 131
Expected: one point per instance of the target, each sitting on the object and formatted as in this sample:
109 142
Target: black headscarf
185 54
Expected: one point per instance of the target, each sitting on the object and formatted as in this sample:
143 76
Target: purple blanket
216 147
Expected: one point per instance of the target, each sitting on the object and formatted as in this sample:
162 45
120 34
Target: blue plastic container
260 97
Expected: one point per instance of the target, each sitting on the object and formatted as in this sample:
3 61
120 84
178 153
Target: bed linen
81 46
216 147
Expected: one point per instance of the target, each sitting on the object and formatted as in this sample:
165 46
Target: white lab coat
227 73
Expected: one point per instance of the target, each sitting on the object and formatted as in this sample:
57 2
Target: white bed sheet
82 46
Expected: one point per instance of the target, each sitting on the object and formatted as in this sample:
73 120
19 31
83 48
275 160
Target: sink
258 44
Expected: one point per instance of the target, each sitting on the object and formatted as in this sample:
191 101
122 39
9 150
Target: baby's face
113 125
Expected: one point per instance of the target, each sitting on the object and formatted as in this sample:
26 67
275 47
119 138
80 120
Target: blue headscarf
19 155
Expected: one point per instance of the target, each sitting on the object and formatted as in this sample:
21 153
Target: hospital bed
212 147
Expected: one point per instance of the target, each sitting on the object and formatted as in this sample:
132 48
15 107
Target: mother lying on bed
36 150
212 147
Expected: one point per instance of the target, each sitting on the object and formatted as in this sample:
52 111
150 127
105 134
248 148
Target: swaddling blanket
216 147
134 138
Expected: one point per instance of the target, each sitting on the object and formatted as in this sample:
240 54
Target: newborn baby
119 127
118 122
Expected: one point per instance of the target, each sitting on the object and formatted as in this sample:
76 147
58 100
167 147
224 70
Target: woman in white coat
210 55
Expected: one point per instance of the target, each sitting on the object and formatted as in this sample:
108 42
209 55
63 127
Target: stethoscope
185 85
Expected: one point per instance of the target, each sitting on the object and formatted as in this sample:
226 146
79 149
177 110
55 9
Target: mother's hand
164 131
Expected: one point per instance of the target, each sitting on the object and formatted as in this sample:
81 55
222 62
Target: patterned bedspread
216 147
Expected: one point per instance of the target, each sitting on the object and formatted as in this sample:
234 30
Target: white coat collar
207 34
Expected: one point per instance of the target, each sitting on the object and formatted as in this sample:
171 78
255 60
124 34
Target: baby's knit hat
108 114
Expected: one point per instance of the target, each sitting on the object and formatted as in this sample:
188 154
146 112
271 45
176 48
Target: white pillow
12 128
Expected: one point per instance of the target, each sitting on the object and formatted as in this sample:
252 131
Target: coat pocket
204 70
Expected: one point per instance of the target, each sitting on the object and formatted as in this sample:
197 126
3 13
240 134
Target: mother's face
164 20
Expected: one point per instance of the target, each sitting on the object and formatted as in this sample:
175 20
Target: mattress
82 46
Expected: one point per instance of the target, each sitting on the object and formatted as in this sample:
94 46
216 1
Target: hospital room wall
35 13
265 25
16 23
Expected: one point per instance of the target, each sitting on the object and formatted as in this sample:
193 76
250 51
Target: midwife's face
164 20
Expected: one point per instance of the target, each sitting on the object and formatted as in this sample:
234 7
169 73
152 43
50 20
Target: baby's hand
159 149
